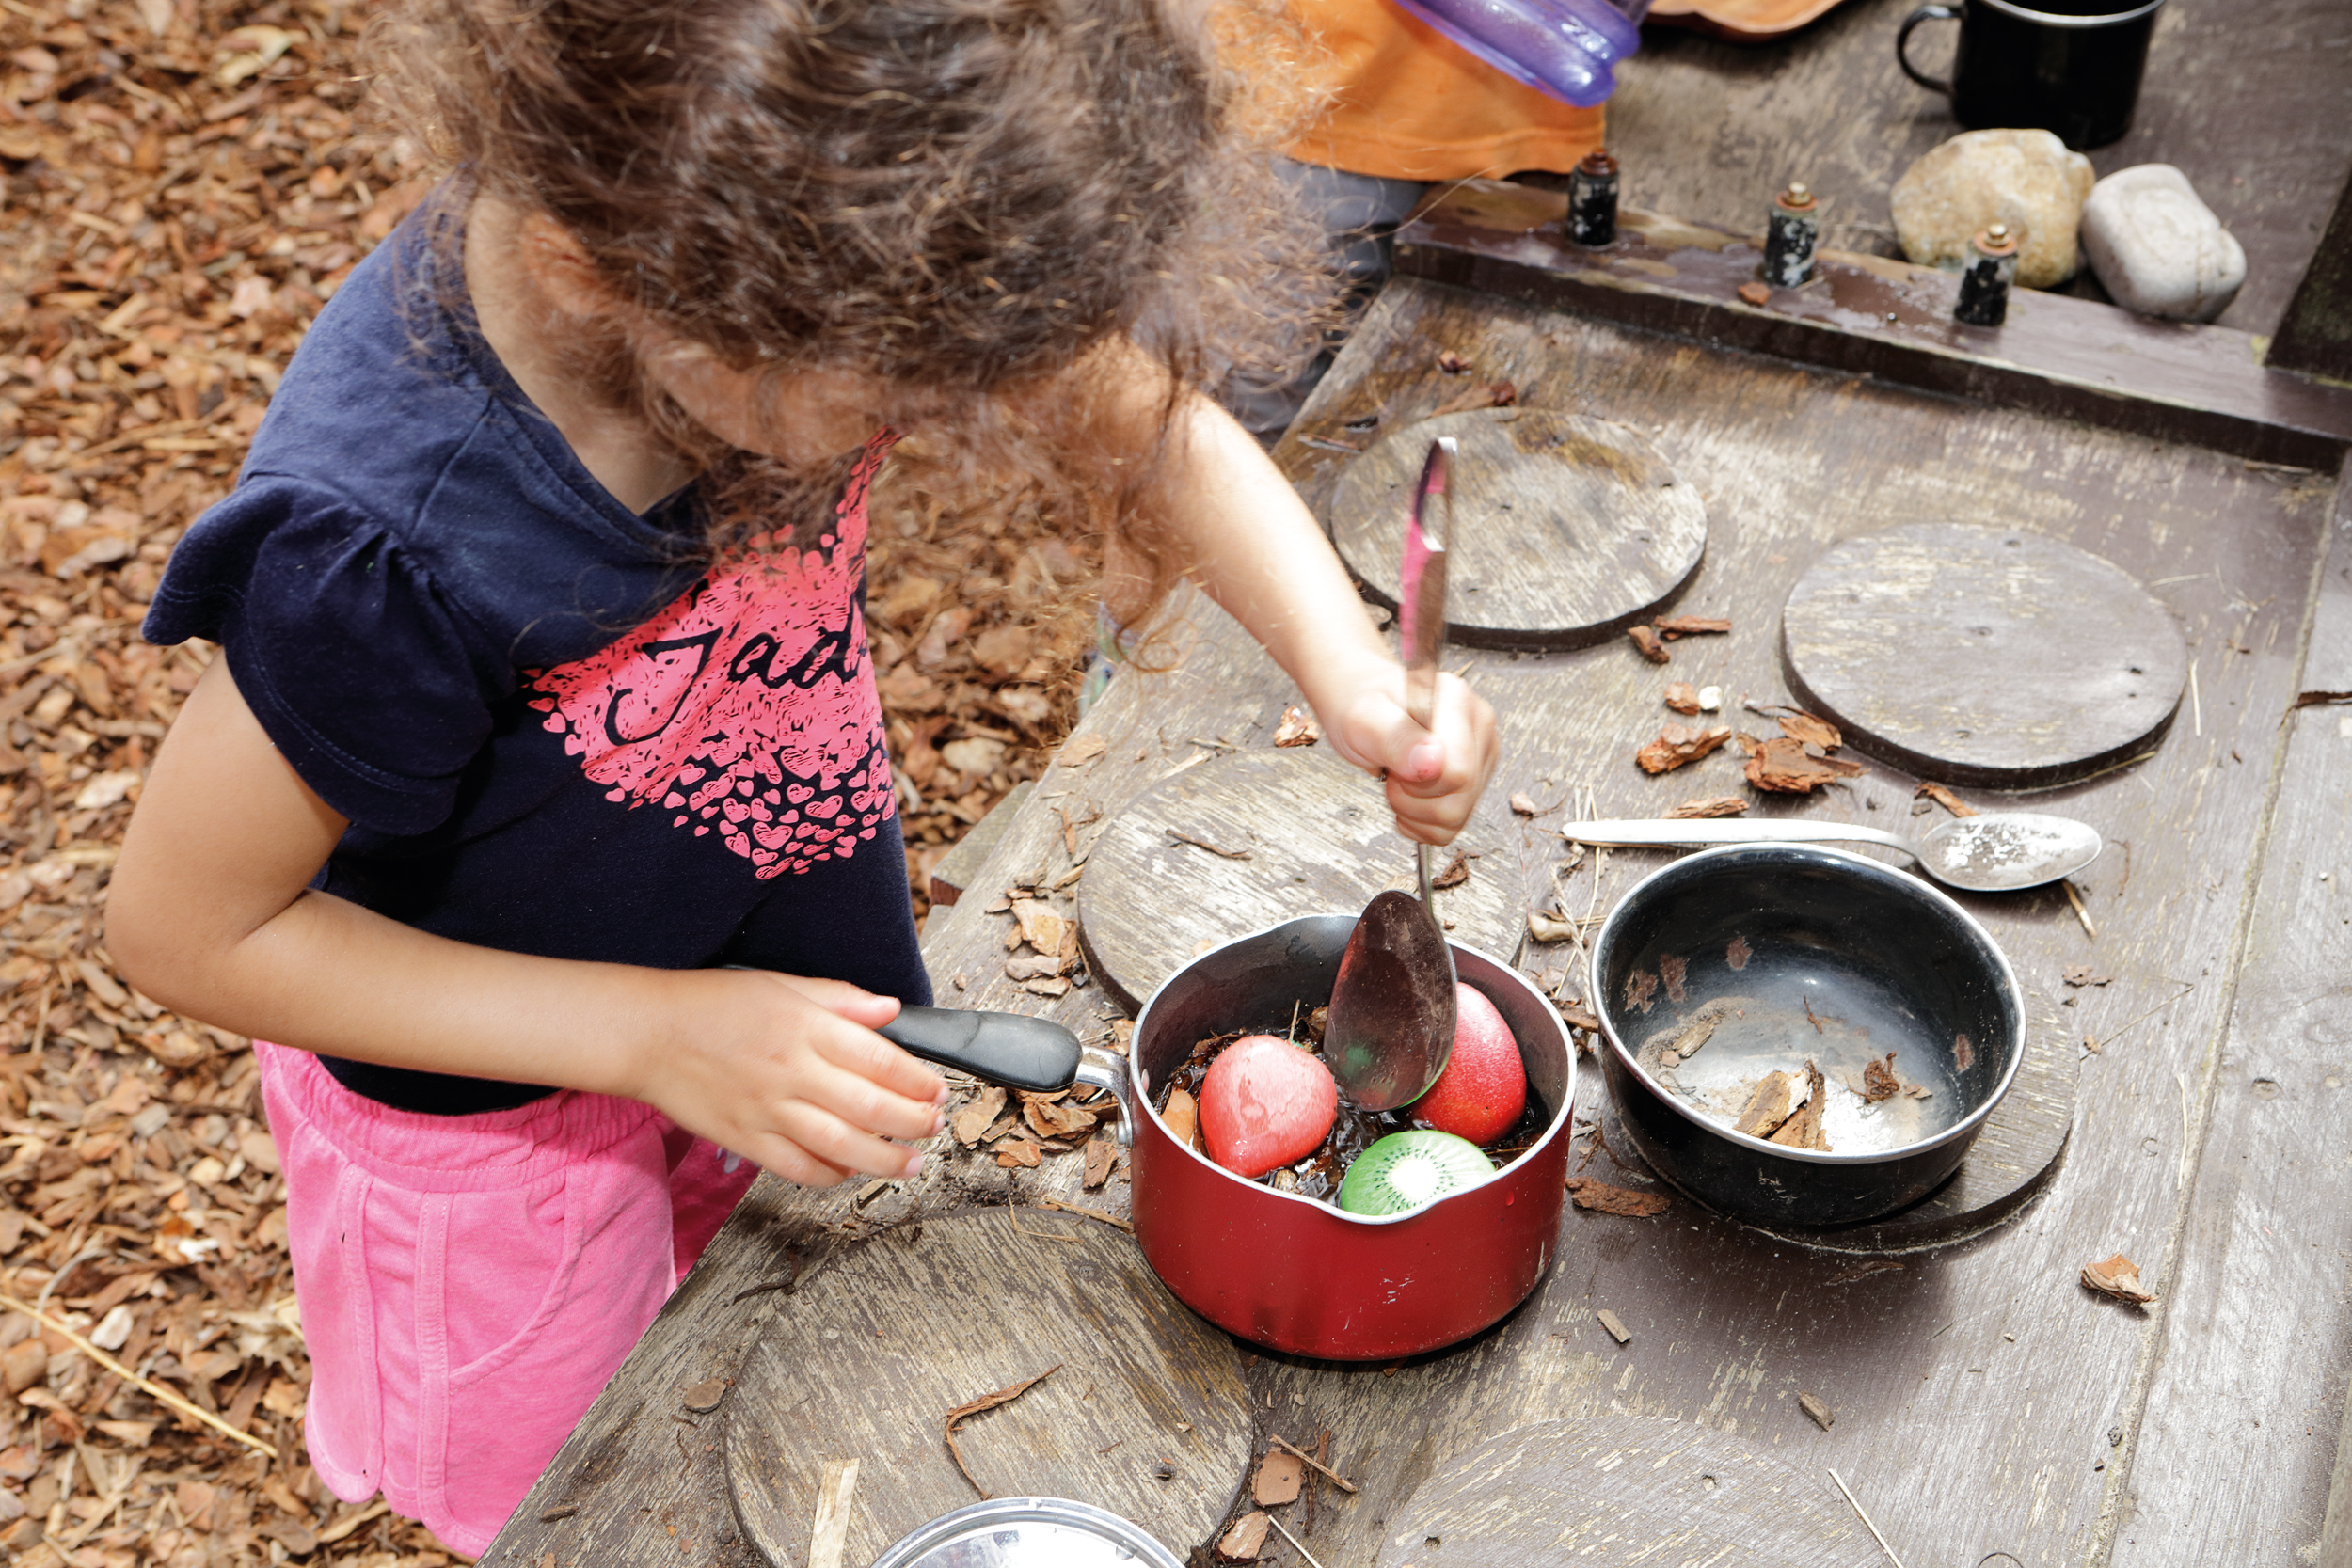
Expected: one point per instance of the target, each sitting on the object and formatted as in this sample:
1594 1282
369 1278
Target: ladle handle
1697 832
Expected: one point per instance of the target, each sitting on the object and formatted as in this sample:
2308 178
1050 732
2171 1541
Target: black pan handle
1011 1049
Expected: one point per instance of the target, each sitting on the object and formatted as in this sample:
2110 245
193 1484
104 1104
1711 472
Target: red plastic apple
1265 1103
1484 1087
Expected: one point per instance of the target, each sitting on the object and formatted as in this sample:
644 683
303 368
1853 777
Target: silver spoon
1991 852
1390 1028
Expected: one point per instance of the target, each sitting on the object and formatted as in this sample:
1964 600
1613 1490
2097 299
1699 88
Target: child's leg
468 1284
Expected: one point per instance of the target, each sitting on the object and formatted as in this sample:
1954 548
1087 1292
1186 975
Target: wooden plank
1984 1366
1317 838
2316 335
2056 355
1144 1412
2257 1330
2248 100
1982 655
1565 530
1635 1488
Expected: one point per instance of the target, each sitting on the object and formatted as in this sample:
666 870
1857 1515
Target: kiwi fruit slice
1406 1171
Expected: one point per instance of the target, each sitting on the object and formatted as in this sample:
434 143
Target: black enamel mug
2068 66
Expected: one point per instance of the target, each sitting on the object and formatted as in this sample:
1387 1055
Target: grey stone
2159 249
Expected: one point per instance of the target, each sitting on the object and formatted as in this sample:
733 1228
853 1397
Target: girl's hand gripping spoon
1392 1021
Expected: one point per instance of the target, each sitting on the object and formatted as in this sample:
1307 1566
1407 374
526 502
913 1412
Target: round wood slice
1319 839
1987 656
1567 529
2014 1155
1623 1489
893 1332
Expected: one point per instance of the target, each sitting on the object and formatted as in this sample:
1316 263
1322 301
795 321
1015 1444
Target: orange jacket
1411 103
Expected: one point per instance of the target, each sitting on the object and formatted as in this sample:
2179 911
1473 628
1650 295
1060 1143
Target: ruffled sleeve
377 689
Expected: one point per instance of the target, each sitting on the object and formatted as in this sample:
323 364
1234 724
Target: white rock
2156 248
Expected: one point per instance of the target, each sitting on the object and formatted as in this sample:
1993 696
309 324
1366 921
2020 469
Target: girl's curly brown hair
966 196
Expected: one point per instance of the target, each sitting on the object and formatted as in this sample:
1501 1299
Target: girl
545 691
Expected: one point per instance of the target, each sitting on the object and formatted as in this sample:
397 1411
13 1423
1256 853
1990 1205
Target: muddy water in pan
1712 1052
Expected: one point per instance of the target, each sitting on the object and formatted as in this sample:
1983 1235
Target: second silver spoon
1991 852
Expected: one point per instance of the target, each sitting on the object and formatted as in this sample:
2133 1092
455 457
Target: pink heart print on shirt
747 705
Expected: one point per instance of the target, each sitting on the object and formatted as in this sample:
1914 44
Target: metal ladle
1390 1028
1995 851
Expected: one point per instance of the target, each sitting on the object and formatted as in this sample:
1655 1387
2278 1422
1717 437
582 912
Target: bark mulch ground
186 184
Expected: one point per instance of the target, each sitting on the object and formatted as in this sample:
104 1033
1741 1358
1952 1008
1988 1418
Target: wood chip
1576 1016
1709 805
2083 974
1618 1330
1082 750
829 1534
1052 1116
1769 1100
1679 744
1756 293
1603 1198
1802 1130
1646 640
1280 1475
1041 926
1682 697
1297 728
1523 804
1102 1158
1033 967
1691 625
1183 1116
1018 1153
1944 797
1243 1543
1783 766
2118 1277
1817 1410
705 1396
1457 872
975 1116
1809 729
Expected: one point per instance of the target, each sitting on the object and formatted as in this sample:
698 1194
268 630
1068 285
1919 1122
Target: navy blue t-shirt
556 727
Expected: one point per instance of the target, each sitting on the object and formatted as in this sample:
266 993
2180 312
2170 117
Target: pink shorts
468 1284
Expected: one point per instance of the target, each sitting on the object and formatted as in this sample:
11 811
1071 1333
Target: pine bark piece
1646 642
1280 1475
1709 805
1604 1198
1297 728
1182 1116
1802 1130
1102 1158
1692 625
1243 1543
1820 1413
975 1116
1682 697
2118 1277
1944 797
1769 1105
1784 766
1680 744
1811 730
1618 1330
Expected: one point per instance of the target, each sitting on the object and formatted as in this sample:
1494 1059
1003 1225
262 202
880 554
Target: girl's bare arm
1263 556
209 912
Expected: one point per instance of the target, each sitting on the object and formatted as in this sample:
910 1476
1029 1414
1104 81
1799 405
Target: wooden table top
1987 1409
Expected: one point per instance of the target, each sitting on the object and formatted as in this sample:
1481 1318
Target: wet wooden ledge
1868 315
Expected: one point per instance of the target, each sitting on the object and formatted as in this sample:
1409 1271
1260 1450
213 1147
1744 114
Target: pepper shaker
1984 283
1593 199
1793 231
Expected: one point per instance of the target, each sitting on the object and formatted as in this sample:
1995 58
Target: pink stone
1265 1103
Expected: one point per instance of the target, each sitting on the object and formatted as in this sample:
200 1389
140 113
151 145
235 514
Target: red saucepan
1283 1270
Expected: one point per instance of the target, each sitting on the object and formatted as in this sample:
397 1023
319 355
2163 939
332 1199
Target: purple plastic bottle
1566 48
